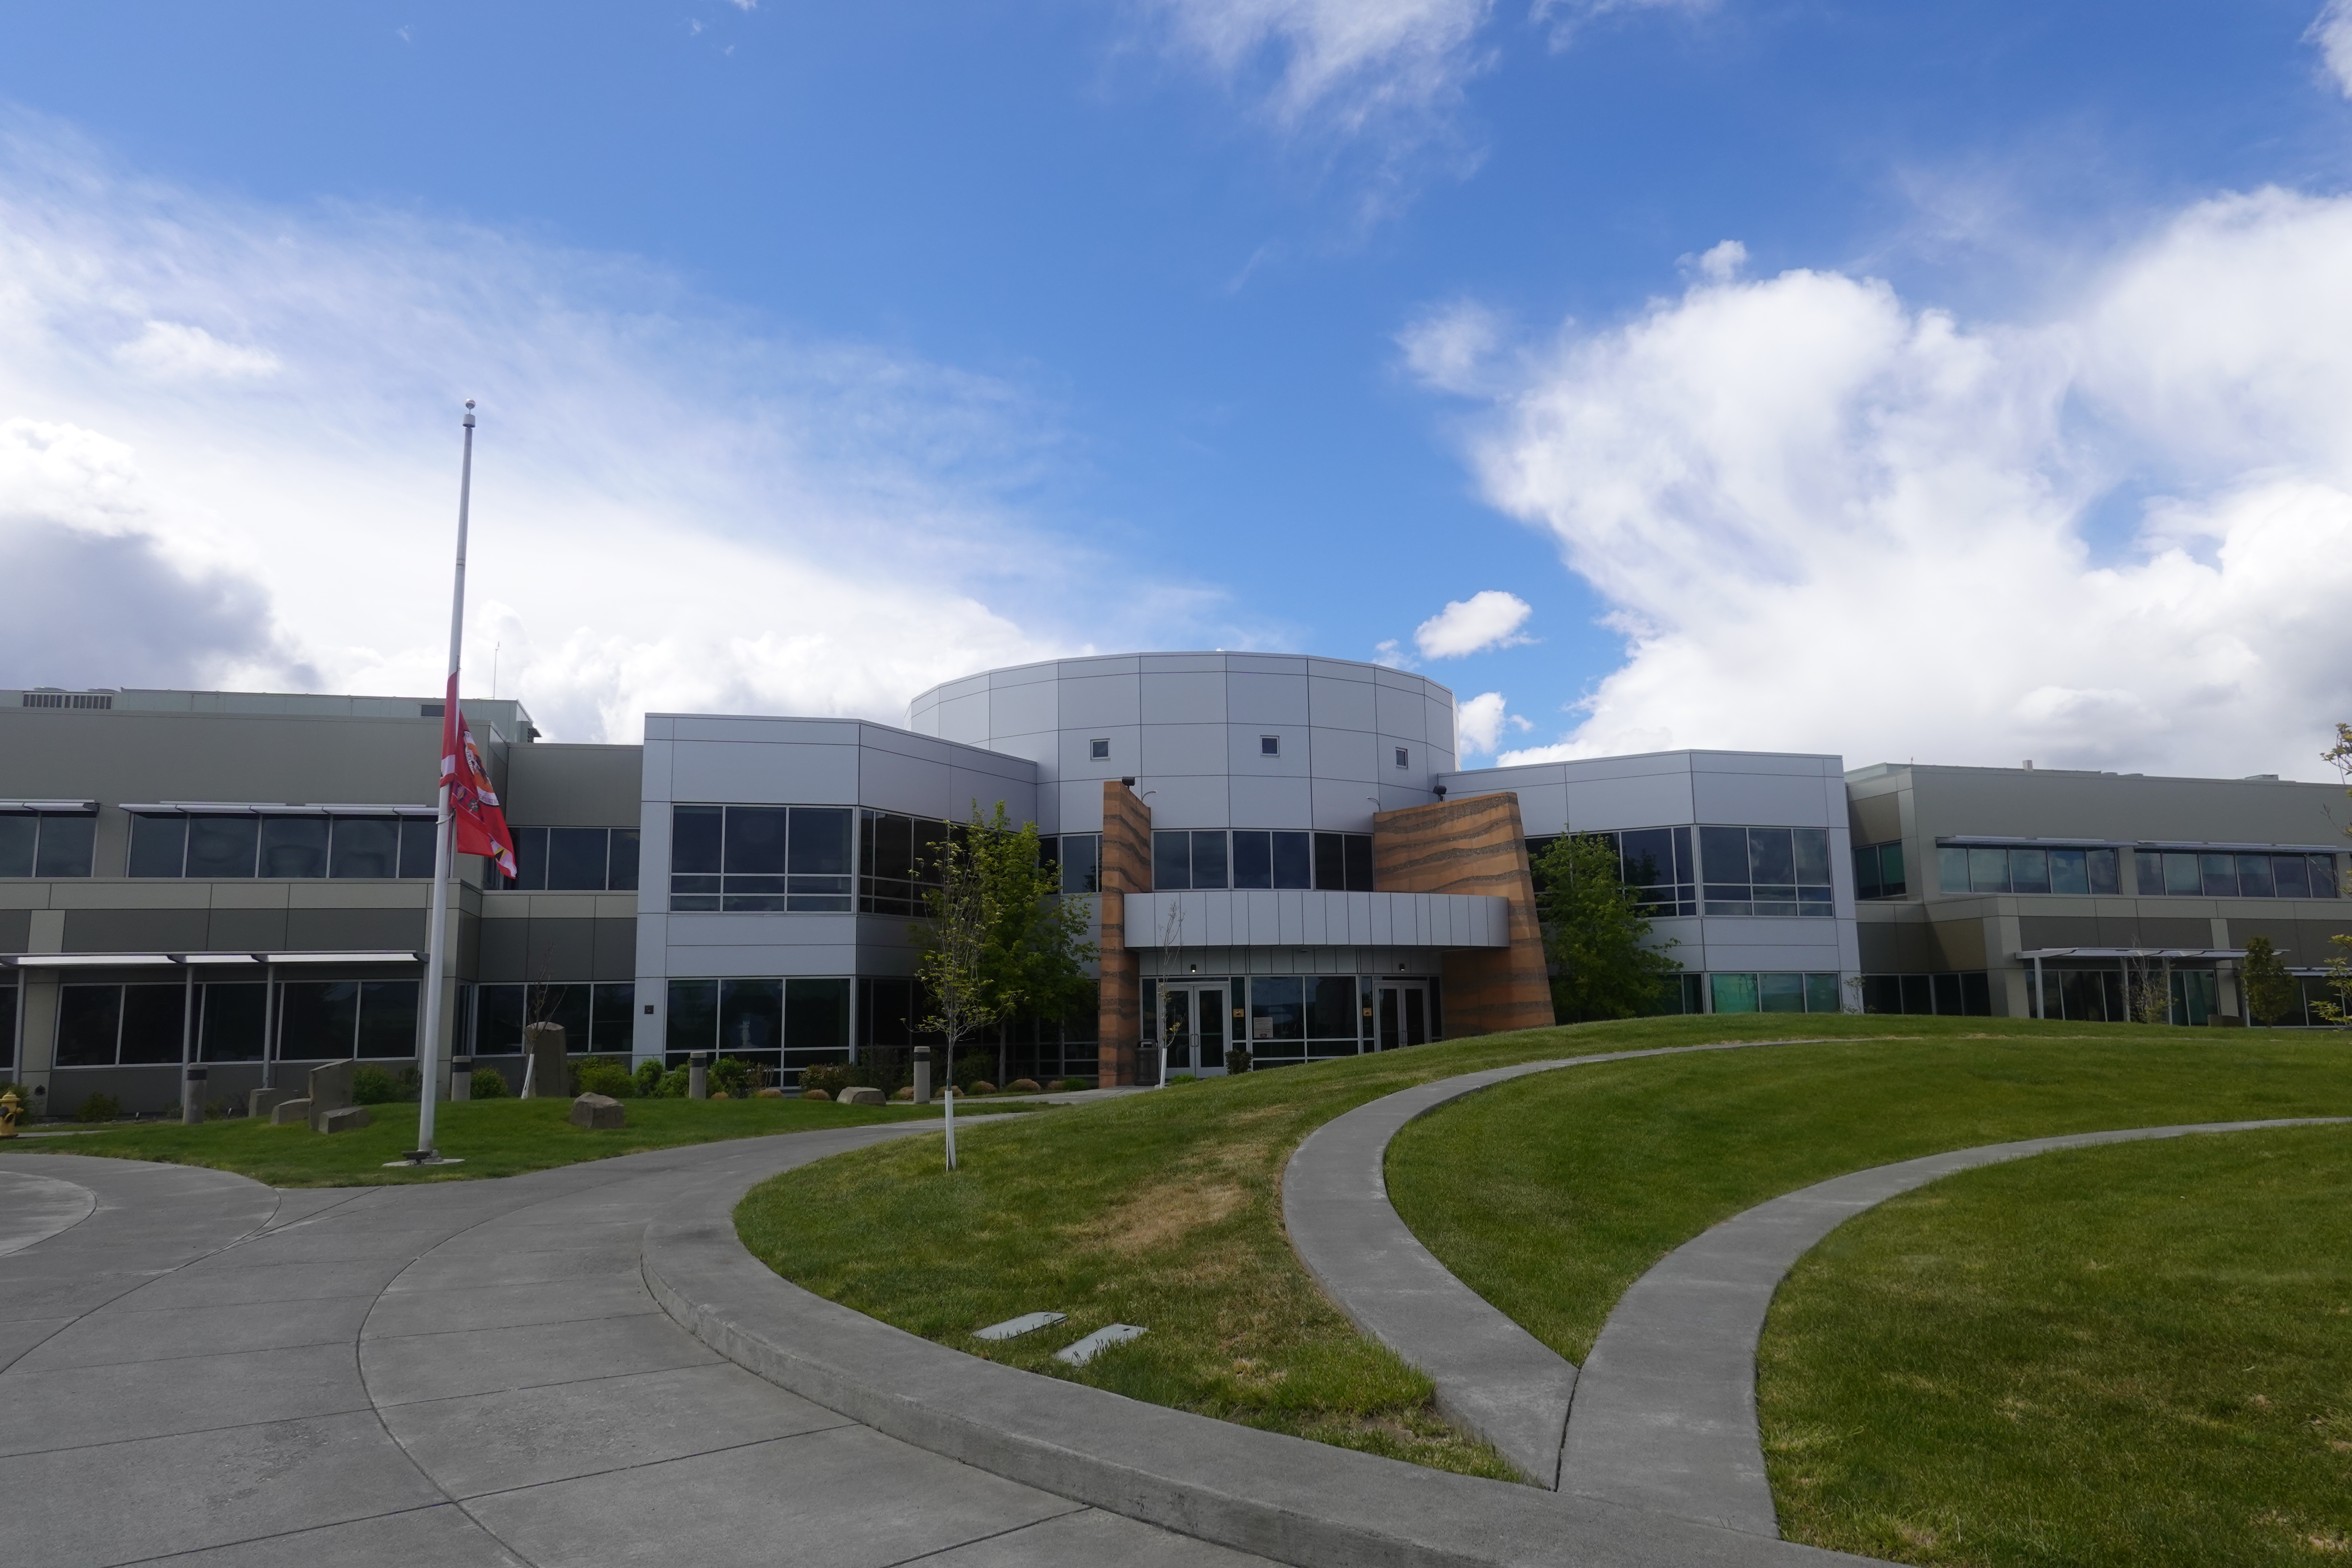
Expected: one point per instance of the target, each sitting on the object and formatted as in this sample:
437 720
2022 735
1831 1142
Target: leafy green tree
1596 934
2268 988
1000 941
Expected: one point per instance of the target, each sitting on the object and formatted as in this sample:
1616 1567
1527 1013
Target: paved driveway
196 1367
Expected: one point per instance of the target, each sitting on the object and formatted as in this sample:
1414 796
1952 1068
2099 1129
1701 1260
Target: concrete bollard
192 1097
461 1077
922 1075
261 1102
698 1075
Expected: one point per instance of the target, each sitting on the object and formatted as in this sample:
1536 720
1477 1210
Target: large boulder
863 1094
330 1090
599 1112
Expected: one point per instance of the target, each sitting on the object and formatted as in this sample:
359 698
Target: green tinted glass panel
1734 993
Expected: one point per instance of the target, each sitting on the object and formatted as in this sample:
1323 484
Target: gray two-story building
1278 854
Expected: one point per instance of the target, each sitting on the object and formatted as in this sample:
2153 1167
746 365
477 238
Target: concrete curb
1279 1496
1493 1379
1665 1414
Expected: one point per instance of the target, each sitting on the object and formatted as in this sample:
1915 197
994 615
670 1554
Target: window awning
60 808
343 957
257 808
152 960
91 960
2133 952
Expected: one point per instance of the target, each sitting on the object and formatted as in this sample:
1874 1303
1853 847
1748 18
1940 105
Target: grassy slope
1549 1195
1162 1210
2131 1355
494 1137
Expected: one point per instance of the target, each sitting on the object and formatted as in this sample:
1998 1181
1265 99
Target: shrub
649 1074
1023 1086
1237 1058
1072 1085
373 1086
731 1076
488 1083
603 1075
98 1108
830 1076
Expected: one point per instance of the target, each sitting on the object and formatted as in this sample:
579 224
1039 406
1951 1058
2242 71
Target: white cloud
1830 521
1569 17
2332 31
675 506
1453 347
1484 620
1481 722
176 352
1387 72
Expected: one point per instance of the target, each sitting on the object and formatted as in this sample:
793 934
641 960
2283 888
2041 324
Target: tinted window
1770 860
419 838
17 831
531 859
1812 846
694 837
222 848
622 875
2070 871
366 846
1360 862
293 845
1723 856
2291 875
159 845
613 1025
1209 859
498 1031
1330 861
1277 1009
750 1014
1293 857
317 1019
575 859
153 1017
2029 870
820 841
232 1023
816 1019
66 843
693 1015
755 838
1253 858
387 1019
1331 1007
88 1017
1171 862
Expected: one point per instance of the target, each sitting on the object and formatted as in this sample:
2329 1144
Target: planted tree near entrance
2270 990
1597 934
999 943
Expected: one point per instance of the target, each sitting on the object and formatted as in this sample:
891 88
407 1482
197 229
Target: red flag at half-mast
481 827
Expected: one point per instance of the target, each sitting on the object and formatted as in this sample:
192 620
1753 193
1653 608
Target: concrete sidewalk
461 1374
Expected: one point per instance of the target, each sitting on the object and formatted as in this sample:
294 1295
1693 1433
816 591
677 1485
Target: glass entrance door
1193 1028
1402 1014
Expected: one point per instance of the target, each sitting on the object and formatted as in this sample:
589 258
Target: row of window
2018 869
1256 858
1774 993
291 844
316 1020
1656 862
805 1020
1737 871
1287 1017
1966 996
599 1016
46 843
569 860
1878 872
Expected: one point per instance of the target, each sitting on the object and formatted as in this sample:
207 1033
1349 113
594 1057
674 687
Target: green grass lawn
1549 1195
2139 1354
1163 1210
494 1137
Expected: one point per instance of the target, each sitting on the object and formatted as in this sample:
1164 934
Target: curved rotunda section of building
1211 739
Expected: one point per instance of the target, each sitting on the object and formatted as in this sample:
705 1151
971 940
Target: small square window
1404 757
1269 745
1099 750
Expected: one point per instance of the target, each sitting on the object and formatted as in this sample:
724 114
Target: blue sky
831 350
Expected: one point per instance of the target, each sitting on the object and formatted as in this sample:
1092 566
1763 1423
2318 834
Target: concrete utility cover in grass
1014 1327
1094 1344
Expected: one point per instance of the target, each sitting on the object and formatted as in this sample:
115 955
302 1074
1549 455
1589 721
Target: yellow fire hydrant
10 1111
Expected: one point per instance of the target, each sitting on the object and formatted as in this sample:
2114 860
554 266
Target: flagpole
444 847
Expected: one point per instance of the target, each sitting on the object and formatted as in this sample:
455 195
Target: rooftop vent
68 700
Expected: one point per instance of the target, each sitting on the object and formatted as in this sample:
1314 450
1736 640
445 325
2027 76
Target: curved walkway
1662 1417
1666 1417
1494 1378
462 1373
